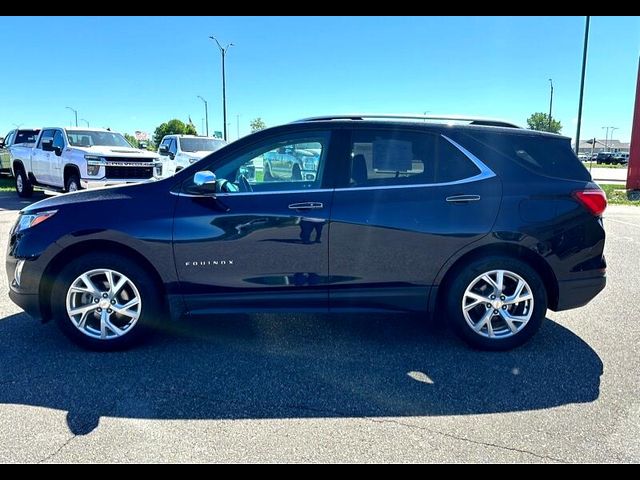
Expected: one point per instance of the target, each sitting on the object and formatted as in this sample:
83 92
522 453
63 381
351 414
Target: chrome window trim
237 194
485 173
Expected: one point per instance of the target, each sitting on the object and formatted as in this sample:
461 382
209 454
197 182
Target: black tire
268 176
296 173
73 183
24 188
150 314
455 295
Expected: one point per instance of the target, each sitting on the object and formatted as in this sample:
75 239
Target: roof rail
489 122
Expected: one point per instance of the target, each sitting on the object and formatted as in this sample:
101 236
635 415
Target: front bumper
112 182
577 293
30 303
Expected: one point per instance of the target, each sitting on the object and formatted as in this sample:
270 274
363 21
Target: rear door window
395 157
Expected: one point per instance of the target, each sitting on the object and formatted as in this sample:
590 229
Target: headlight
94 163
31 220
158 169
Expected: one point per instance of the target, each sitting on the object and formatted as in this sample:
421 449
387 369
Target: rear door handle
306 206
463 198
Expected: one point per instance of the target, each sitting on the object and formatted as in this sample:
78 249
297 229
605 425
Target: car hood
120 192
116 151
199 154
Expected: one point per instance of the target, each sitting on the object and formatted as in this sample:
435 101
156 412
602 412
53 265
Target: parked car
621 158
180 151
70 159
606 158
484 224
583 157
19 136
298 162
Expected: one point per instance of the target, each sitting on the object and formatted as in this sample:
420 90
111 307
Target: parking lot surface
344 388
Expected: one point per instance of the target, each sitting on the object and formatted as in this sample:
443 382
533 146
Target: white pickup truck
70 159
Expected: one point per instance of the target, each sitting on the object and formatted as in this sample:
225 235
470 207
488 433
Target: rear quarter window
548 156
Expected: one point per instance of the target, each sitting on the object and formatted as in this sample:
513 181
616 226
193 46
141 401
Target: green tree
132 140
173 127
540 121
257 124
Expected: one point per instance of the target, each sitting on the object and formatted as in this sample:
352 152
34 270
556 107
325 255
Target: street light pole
606 139
611 138
85 121
206 113
223 53
75 112
550 104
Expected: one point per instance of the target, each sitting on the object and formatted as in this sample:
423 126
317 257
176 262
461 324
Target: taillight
593 200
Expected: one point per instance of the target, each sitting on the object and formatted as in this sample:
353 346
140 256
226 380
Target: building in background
603 146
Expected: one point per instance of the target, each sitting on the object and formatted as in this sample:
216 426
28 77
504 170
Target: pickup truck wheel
73 183
23 185
296 173
268 176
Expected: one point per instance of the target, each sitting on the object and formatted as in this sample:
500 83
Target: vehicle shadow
286 366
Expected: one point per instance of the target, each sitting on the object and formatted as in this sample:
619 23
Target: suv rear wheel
104 302
497 303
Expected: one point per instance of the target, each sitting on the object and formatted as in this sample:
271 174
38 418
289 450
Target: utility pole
584 69
550 105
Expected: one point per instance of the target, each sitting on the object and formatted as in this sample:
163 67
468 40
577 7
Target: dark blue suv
478 222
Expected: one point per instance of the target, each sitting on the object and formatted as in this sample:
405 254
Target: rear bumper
576 293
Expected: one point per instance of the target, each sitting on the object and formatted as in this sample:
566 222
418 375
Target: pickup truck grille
129 172
129 159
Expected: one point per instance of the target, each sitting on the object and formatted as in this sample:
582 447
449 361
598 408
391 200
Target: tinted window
172 146
547 156
7 139
26 136
391 157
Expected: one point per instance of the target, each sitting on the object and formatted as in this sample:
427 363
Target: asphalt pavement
319 388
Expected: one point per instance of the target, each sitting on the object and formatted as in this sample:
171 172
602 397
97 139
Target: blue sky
132 73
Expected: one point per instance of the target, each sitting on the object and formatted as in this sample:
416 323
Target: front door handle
463 198
306 206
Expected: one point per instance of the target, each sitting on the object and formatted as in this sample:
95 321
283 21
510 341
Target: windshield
200 144
88 138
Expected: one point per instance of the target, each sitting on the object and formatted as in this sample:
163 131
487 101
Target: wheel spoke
113 328
487 278
483 321
90 285
84 309
124 309
121 283
477 300
104 318
508 320
500 281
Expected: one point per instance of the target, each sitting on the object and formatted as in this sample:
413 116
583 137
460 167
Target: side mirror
205 181
47 146
57 150
163 150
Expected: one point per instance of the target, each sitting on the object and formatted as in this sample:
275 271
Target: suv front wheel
104 302
497 303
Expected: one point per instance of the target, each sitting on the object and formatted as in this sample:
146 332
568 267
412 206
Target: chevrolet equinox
475 221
